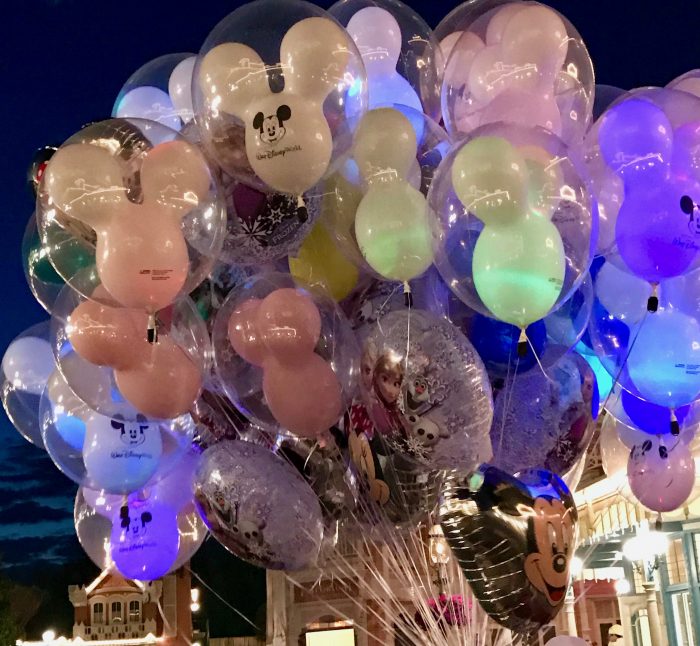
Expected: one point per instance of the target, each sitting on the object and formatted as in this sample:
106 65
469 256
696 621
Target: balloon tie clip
302 210
522 344
653 302
407 294
152 331
675 426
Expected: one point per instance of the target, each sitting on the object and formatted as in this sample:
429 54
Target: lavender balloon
661 473
258 506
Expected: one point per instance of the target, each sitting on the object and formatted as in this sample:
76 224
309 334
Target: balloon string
218 596
539 363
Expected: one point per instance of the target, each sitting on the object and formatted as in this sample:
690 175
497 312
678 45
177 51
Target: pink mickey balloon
526 108
244 334
499 20
289 324
661 473
305 398
165 384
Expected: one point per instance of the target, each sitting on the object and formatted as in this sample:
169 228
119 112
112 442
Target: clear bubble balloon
402 58
96 512
118 454
427 391
27 366
642 161
287 358
652 357
518 62
510 187
258 506
271 89
548 339
104 354
375 205
159 91
147 186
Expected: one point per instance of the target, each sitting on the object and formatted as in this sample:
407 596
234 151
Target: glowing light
576 566
622 586
645 545
48 635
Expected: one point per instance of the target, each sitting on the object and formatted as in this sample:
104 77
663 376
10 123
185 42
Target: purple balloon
661 473
145 539
636 140
258 506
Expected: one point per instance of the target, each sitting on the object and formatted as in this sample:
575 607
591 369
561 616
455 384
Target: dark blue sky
62 63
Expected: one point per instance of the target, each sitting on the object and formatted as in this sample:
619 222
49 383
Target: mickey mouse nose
559 563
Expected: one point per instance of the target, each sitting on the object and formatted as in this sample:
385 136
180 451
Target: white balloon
622 294
180 88
121 455
28 363
150 103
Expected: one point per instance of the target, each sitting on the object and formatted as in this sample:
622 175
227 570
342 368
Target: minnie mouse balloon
292 132
258 506
514 538
661 472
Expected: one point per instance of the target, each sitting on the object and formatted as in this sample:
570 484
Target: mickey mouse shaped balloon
514 538
136 203
289 141
392 223
642 153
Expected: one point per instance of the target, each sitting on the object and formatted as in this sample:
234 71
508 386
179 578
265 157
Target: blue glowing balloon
650 418
664 363
148 103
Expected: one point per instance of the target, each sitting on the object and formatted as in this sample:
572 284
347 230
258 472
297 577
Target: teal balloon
519 269
393 231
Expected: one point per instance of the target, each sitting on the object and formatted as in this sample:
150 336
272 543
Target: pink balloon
499 20
165 384
289 324
304 398
661 473
142 259
102 335
244 334
526 108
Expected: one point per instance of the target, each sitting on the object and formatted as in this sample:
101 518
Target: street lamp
646 547
194 596
48 636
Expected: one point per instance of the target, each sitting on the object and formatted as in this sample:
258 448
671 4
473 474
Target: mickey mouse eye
663 452
554 549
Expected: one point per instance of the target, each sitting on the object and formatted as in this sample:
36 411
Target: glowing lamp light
622 586
48 636
645 545
576 566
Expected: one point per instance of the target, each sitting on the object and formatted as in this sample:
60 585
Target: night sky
62 63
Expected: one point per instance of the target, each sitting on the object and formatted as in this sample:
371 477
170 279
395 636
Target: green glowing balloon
519 269
392 227
490 177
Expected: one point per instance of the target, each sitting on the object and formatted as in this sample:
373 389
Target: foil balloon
545 421
258 506
661 472
430 398
514 538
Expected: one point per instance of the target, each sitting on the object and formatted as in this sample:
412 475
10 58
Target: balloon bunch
287 306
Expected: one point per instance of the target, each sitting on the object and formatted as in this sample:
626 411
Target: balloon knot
675 426
302 210
522 344
653 302
407 294
152 331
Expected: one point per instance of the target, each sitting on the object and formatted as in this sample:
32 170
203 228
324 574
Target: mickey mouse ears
314 55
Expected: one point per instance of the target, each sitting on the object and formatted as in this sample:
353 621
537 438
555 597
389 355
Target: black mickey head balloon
514 538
